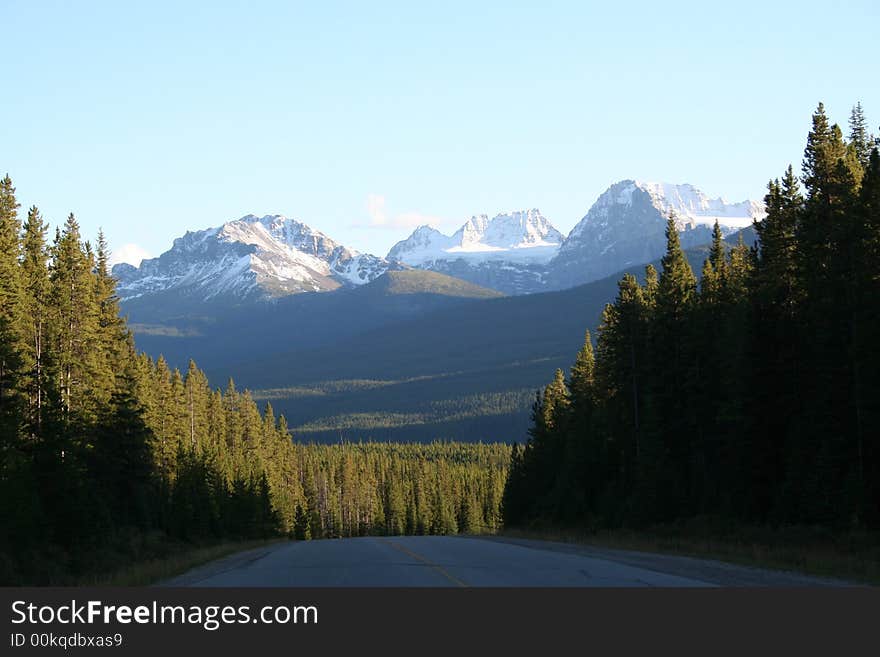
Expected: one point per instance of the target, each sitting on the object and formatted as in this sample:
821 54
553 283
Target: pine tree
556 402
35 280
826 236
652 282
824 147
711 314
621 370
302 529
74 321
866 355
11 319
859 139
777 242
113 348
674 376
513 500
714 275
581 381
677 285
197 400
717 251
583 475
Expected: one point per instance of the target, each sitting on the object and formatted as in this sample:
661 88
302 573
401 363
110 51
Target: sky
365 120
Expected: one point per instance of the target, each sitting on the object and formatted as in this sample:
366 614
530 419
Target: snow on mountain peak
690 206
269 256
516 235
693 206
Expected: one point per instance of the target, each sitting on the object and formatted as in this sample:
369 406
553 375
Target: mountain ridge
266 258
250 258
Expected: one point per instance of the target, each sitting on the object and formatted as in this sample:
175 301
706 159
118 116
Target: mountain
626 226
508 252
246 259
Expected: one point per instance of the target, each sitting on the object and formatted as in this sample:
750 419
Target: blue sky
365 119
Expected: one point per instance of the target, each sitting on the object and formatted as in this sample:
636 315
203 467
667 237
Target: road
443 561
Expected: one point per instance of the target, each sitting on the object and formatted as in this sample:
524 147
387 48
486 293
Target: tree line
750 396
106 454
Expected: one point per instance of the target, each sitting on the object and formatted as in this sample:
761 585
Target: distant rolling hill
220 336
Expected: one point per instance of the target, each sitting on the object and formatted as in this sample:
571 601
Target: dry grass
151 571
853 556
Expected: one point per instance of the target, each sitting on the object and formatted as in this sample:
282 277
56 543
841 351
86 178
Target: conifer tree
513 500
113 346
35 281
860 140
824 147
652 282
622 369
677 284
581 381
583 474
674 376
11 318
866 355
302 529
74 321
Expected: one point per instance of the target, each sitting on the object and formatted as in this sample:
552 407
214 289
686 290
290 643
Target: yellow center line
427 562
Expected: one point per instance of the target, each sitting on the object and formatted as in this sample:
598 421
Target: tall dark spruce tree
671 346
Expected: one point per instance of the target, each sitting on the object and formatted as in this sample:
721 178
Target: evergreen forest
748 394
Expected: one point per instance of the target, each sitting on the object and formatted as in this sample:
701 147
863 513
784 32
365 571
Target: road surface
442 561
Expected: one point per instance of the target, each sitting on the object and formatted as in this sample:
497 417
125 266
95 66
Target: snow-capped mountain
508 253
626 227
251 257
514 253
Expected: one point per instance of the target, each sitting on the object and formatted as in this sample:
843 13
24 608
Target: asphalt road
441 561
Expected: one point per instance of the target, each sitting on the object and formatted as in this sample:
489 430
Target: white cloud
130 253
376 209
379 217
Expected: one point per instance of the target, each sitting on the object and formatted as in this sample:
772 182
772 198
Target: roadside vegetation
168 560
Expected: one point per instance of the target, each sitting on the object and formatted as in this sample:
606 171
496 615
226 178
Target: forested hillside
752 396
107 456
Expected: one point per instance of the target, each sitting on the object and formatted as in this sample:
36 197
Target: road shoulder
230 562
719 573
